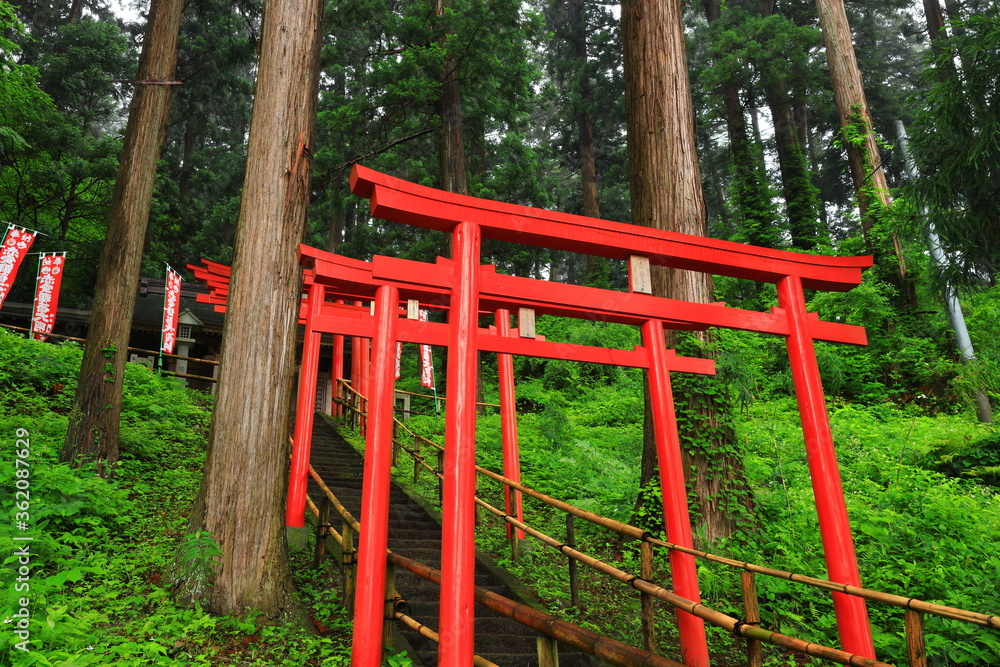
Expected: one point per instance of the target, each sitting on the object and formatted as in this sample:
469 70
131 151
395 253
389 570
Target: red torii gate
465 288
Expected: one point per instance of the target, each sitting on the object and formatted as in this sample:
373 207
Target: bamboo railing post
645 599
395 443
751 616
574 584
515 546
548 652
349 565
354 411
440 469
915 650
322 529
478 510
389 618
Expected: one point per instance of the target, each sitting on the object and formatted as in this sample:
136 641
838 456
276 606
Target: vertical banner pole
838 546
508 422
305 407
458 547
163 333
369 600
676 518
34 305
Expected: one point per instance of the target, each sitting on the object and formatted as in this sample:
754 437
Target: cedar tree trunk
241 501
452 150
585 126
665 188
802 202
848 92
93 424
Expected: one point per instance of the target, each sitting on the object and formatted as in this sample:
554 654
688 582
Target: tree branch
335 171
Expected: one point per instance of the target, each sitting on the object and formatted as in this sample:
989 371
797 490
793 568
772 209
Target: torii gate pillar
838 547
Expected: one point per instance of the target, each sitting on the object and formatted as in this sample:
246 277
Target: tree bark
93 425
585 125
75 11
935 18
802 204
855 118
241 500
665 189
452 150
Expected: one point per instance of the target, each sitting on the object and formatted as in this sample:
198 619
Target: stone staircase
415 533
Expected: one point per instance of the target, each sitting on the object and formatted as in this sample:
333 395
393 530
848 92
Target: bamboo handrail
714 617
420 628
568 633
985 620
347 383
188 375
337 505
604 647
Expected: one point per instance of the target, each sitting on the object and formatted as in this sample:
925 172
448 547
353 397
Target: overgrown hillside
102 551
920 475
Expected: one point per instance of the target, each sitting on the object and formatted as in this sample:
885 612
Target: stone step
416 535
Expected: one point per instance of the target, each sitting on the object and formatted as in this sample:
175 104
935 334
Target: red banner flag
171 310
43 312
15 247
426 361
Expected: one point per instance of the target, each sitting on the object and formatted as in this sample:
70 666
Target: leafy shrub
100 547
981 461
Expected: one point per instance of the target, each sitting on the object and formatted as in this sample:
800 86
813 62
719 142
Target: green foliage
917 533
101 547
981 461
956 145
197 557
58 156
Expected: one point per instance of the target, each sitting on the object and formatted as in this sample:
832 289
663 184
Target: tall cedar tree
241 500
585 125
452 148
665 187
802 203
93 425
751 193
863 154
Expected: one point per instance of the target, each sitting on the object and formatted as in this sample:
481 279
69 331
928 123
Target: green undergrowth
919 480
101 548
